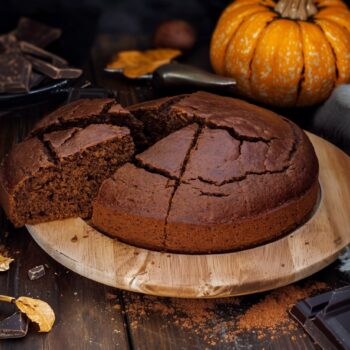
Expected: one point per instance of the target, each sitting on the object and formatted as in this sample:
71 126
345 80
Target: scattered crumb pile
273 309
222 320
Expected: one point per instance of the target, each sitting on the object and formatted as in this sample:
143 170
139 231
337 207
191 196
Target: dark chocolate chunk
33 50
36 272
52 71
36 33
309 308
14 326
9 43
35 79
326 318
15 73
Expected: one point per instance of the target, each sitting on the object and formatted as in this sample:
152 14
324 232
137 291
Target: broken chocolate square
36 33
33 50
35 79
326 318
36 272
15 72
14 326
9 43
52 71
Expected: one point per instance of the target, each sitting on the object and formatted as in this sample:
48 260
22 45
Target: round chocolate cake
193 173
232 176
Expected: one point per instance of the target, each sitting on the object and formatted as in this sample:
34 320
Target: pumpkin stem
296 9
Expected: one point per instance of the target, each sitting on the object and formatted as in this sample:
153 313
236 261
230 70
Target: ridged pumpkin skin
280 61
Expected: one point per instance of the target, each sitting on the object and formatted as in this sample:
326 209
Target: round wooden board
308 249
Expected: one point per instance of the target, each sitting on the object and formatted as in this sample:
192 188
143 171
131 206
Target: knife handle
178 76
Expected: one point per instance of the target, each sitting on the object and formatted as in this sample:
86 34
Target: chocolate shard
31 49
14 326
52 71
326 318
36 272
35 79
36 33
15 72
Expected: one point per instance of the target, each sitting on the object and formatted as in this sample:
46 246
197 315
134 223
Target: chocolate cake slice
119 213
57 173
133 204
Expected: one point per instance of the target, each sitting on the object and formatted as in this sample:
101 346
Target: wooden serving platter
308 249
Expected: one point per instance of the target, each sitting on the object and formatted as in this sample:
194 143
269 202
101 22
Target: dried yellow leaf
37 311
5 263
135 64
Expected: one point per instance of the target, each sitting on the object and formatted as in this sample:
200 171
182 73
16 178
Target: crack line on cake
296 142
70 137
63 122
233 133
239 149
108 106
178 181
240 178
139 164
50 152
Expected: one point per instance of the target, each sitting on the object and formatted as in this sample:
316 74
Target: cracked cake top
214 182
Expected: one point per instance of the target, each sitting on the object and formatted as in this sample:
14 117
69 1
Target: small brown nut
175 34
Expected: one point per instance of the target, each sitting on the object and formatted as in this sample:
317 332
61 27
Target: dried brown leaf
37 311
5 263
134 64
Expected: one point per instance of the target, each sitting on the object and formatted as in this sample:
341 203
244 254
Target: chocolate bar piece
52 71
36 33
31 49
9 43
35 79
326 318
36 272
15 73
14 326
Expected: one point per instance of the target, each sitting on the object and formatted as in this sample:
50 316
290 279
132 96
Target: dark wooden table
92 316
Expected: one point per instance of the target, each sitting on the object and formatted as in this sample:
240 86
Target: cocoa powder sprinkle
273 309
223 320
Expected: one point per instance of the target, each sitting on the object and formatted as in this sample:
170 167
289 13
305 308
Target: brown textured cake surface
168 155
241 177
56 174
66 143
76 112
142 220
84 112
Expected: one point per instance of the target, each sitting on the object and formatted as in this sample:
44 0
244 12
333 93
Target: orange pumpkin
285 53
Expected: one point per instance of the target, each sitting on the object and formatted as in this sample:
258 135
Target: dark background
132 16
129 24
82 20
